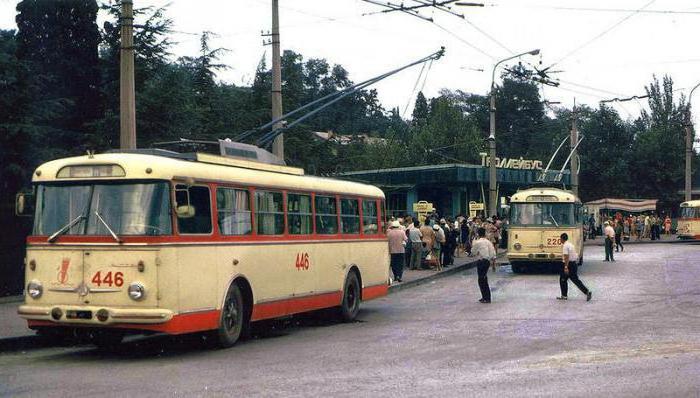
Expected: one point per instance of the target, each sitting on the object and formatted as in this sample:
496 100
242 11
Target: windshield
128 209
549 214
690 212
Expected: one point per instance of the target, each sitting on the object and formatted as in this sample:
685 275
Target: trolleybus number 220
553 241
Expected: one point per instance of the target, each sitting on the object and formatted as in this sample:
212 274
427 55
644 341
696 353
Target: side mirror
24 204
185 211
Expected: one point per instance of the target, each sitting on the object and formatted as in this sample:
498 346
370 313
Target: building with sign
449 187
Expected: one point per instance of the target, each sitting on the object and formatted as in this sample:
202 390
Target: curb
430 278
11 299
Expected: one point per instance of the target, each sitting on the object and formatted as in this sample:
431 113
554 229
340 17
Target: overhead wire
603 33
413 92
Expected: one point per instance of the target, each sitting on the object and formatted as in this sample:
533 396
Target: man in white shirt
415 236
570 270
609 233
485 253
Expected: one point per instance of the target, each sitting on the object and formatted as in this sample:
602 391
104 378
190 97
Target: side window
193 209
299 214
369 217
326 215
269 213
349 216
233 206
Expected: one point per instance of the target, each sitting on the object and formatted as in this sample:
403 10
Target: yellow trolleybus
538 217
689 222
160 241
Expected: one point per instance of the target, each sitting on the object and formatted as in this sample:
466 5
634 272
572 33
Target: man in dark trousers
485 253
570 270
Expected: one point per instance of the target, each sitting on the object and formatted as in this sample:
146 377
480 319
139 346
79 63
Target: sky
604 49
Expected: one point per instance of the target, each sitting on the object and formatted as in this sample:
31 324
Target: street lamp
688 147
493 196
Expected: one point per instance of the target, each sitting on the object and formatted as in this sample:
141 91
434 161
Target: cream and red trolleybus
538 217
161 241
689 221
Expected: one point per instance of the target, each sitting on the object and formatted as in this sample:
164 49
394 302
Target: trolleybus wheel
351 298
231 318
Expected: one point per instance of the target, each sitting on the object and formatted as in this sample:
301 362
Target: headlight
137 291
517 246
34 289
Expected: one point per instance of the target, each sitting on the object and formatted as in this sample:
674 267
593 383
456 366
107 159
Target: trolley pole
574 154
127 91
278 143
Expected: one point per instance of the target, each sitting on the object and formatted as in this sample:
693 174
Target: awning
631 205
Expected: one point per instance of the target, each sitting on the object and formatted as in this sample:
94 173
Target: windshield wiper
65 228
553 220
99 217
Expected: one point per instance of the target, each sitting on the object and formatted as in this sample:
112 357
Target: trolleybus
160 241
689 222
538 217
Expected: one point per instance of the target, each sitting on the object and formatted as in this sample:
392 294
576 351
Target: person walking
437 244
570 270
667 226
397 248
618 236
609 234
485 253
416 238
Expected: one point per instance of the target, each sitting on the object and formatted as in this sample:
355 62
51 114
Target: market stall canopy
630 205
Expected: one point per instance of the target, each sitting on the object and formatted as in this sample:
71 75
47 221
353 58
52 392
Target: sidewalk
11 325
416 277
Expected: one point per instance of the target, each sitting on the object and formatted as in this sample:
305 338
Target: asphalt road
639 336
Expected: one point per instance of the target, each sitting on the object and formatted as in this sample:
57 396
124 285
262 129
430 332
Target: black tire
351 298
232 318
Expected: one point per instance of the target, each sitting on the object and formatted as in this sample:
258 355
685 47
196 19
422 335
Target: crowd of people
434 242
631 227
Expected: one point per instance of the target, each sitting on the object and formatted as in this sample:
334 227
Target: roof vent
239 150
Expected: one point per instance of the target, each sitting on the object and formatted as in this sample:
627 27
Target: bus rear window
350 216
326 215
234 214
369 217
299 214
269 213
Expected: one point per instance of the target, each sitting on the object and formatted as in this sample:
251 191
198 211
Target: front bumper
87 315
544 257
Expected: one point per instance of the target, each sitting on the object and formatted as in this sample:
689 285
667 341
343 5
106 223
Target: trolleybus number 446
302 261
117 280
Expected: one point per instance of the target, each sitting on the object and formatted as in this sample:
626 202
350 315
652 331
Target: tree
59 40
658 161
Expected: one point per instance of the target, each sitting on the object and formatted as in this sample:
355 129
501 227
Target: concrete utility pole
278 143
493 191
127 91
574 153
689 148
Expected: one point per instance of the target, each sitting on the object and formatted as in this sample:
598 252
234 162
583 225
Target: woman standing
667 225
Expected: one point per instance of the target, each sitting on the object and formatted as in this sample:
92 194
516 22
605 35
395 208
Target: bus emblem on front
63 272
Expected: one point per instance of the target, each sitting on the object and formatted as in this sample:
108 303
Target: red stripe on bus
275 309
179 324
372 292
